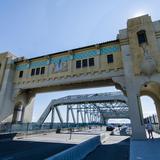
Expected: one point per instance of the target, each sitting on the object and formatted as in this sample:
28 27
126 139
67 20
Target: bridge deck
39 147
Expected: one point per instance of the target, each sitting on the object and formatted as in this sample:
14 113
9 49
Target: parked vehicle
110 128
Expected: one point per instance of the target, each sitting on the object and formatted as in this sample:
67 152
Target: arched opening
148 106
150 103
142 38
122 126
18 113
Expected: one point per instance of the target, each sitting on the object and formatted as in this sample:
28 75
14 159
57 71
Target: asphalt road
30 150
38 147
116 151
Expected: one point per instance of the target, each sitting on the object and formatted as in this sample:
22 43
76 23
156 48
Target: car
110 128
58 130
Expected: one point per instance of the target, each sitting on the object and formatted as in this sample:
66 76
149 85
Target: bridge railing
153 119
35 127
156 128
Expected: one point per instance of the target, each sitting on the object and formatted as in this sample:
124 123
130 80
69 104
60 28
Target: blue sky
32 28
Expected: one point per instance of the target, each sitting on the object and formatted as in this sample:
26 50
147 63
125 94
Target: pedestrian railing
35 127
156 128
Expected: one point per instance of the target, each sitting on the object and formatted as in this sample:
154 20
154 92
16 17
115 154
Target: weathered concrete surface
145 149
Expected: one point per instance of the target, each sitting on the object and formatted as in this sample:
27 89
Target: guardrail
156 128
79 151
28 128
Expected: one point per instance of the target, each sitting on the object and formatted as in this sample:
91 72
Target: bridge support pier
28 111
136 116
18 113
23 107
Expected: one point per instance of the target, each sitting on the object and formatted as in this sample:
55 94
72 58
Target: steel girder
90 108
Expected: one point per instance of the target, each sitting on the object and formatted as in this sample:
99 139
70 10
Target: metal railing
156 128
35 127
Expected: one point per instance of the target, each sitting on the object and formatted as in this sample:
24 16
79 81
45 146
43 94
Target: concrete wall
6 90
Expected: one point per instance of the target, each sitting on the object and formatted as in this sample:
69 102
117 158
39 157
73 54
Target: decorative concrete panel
87 54
22 67
39 64
81 55
109 50
61 59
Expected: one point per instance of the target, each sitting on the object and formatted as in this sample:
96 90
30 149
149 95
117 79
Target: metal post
77 114
84 116
67 116
81 114
154 118
73 117
52 117
59 115
88 116
22 114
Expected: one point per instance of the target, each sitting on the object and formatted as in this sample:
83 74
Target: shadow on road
5 136
18 150
116 151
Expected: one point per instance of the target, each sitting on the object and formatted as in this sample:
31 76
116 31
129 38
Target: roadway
29 150
41 146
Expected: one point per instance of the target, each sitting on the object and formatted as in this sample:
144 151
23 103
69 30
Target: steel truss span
90 108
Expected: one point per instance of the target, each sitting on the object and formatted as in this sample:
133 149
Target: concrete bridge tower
140 45
131 63
13 108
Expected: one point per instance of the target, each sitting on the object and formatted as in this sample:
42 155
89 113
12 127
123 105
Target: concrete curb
79 151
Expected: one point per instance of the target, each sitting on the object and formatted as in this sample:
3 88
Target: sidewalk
145 149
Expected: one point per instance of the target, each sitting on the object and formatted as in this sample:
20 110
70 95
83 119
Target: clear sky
32 28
